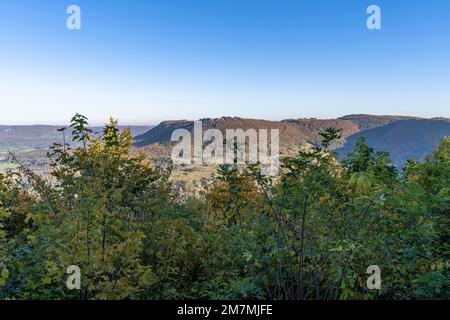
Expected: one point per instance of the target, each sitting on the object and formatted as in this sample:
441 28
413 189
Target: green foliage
310 233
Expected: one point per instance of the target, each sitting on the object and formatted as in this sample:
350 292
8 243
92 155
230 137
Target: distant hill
161 134
368 121
403 139
294 133
36 137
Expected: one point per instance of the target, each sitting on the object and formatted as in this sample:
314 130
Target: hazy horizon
144 124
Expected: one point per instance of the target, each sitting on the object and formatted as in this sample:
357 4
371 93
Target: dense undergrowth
310 234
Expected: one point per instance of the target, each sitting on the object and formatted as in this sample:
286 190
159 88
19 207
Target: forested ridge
310 233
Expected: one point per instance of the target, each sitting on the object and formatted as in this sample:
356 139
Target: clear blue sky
145 61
